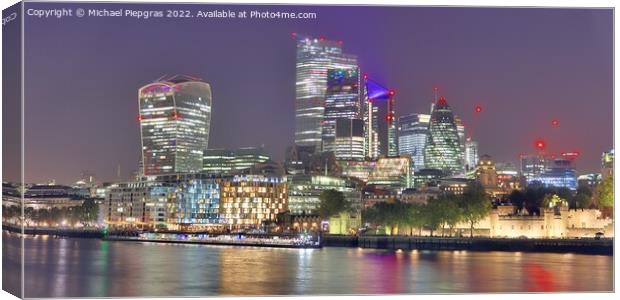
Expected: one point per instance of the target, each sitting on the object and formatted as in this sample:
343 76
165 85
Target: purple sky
524 66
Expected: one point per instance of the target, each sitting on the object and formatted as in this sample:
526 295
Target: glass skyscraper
443 146
342 103
471 154
349 142
314 58
226 161
561 173
412 135
175 115
532 165
379 122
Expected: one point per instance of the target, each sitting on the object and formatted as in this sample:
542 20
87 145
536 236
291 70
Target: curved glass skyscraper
443 149
175 115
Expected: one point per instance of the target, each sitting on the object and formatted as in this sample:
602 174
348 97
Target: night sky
525 67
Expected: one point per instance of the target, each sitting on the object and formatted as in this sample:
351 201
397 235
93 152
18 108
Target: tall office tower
443 147
379 123
175 115
471 154
342 102
314 58
532 165
349 141
412 134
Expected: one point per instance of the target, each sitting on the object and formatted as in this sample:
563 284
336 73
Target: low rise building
304 192
40 196
425 177
227 161
556 222
393 172
252 200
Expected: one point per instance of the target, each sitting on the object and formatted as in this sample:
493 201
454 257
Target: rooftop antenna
118 172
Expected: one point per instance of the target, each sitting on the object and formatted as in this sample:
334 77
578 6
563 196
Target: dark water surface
68 267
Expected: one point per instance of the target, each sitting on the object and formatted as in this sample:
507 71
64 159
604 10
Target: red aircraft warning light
540 144
391 93
555 122
478 108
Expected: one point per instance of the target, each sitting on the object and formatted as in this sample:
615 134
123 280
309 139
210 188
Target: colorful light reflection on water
92 268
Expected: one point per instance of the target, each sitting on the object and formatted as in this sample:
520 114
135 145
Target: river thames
70 267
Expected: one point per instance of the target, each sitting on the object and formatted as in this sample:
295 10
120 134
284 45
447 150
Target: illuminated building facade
424 177
194 203
560 174
342 104
508 180
607 163
171 201
379 121
505 222
40 196
371 195
486 173
392 172
443 149
314 58
589 180
252 200
359 169
175 115
532 165
349 139
142 204
304 192
226 161
412 135
471 154
453 185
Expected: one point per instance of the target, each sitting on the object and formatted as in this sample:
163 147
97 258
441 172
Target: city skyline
112 135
